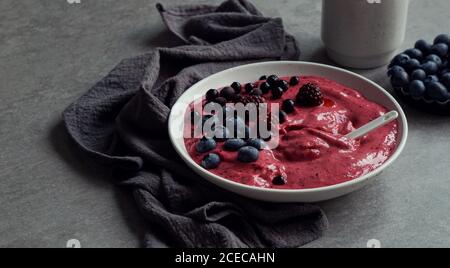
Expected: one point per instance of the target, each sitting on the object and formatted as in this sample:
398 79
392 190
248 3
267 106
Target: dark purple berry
249 87
309 95
221 101
423 46
279 180
283 85
265 87
256 92
277 93
282 117
272 80
228 93
295 80
288 106
414 53
212 94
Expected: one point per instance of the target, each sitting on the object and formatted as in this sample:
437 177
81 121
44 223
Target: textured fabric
122 123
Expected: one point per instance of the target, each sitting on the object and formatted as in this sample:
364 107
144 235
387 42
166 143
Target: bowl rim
188 160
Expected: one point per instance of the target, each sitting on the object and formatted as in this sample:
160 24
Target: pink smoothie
313 151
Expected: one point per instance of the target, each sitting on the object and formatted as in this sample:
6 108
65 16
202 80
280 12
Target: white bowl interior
251 72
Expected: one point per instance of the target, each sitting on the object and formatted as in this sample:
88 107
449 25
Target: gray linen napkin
121 123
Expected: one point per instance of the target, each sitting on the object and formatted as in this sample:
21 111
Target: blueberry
423 46
248 154
295 80
440 49
262 78
430 79
212 94
444 72
434 58
418 74
417 88
288 106
237 87
412 64
279 180
282 117
400 79
272 80
205 145
256 92
211 161
265 87
233 145
414 53
442 38
445 79
249 87
436 91
430 67
255 143
228 93
401 59
283 85
394 70
277 93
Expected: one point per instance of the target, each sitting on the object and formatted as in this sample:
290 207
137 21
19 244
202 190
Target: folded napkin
122 123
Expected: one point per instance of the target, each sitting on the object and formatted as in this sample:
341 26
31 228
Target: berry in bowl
421 75
306 157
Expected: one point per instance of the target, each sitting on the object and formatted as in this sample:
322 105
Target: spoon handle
379 122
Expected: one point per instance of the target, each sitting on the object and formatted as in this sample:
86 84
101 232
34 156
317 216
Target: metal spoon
375 124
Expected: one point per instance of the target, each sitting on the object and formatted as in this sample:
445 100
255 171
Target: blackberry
310 95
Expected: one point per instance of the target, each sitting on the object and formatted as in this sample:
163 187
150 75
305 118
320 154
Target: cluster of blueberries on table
248 148
423 72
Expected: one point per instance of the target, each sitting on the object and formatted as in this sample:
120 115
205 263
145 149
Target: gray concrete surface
52 51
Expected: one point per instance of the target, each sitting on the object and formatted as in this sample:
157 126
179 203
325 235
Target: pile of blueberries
271 84
423 72
247 149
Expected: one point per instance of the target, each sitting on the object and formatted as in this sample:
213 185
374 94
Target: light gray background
51 52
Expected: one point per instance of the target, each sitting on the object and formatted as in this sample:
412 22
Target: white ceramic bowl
251 72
